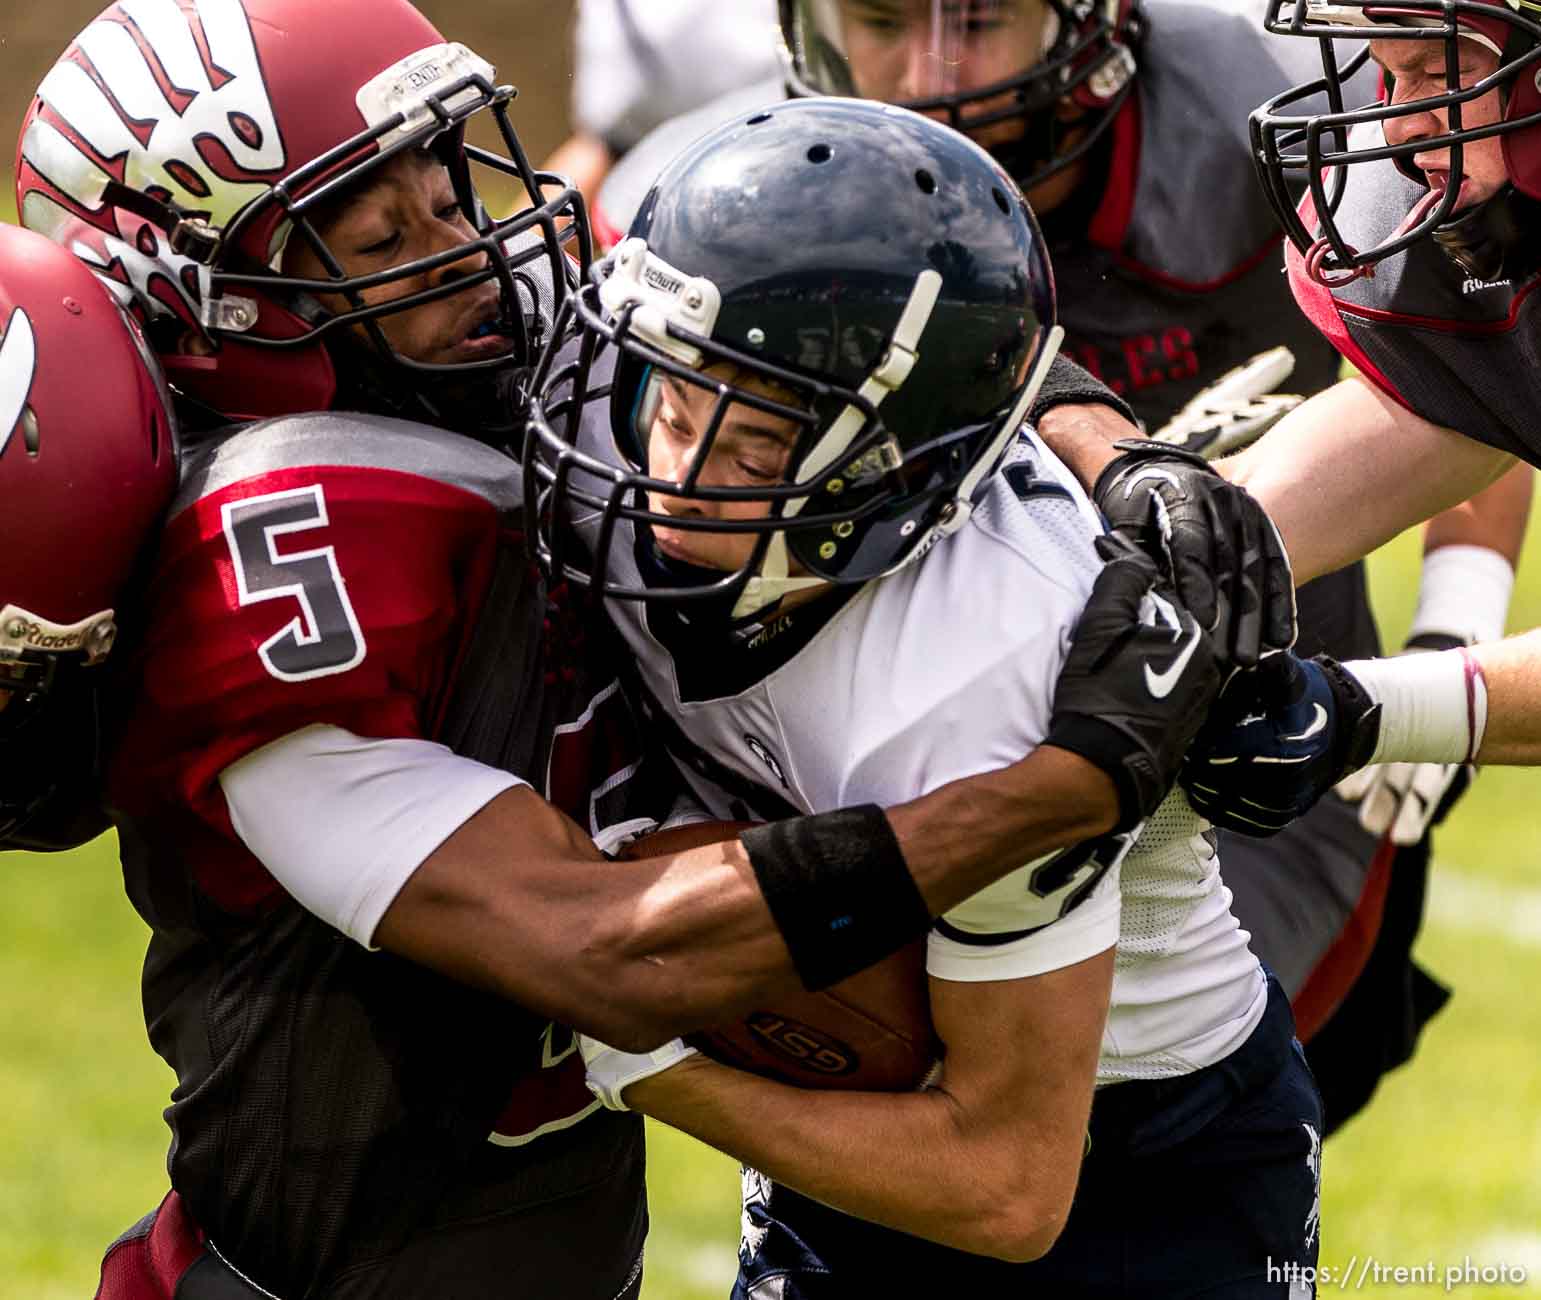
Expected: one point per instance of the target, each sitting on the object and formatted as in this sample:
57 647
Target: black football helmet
1053 65
877 272
1292 148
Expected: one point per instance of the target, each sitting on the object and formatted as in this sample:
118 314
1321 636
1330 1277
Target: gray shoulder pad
352 440
1206 65
633 176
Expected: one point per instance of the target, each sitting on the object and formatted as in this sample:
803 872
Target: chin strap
957 511
1495 238
1336 278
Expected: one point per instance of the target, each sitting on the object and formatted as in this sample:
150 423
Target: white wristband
1433 706
1464 592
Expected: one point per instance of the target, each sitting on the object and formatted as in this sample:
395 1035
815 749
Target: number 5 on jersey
324 636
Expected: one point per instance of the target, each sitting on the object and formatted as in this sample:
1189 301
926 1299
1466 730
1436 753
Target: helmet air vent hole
820 153
926 181
29 433
1000 201
758 118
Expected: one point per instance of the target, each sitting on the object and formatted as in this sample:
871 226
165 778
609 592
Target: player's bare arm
1470 553
637 953
984 1161
1494 518
1459 694
1082 435
1350 468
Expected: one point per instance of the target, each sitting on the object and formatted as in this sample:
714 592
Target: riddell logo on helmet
34 637
22 633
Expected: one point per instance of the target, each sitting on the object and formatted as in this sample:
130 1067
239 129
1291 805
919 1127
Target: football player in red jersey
1415 252
103 460
366 755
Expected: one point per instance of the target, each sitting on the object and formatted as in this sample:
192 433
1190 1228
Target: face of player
409 211
903 50
1416 69
752 449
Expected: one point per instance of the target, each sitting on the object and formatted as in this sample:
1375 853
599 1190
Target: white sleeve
342 822
639 63
958 950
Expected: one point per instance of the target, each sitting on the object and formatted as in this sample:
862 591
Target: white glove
1402 798
1236 410
611 1071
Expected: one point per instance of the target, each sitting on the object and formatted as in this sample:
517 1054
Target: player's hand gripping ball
872 1032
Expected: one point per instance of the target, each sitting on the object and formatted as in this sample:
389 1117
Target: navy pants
1206 1185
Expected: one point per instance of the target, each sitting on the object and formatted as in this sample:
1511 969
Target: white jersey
640 63
944 670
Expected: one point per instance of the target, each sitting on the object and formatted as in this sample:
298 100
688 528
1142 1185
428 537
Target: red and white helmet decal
142 80
18 368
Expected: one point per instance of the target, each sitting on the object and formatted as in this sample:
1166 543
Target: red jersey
342 1112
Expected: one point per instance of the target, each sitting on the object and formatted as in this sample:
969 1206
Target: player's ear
193 343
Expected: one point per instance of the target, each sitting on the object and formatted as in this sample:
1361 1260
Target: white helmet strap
774 580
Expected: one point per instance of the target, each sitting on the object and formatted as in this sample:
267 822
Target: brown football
871 1032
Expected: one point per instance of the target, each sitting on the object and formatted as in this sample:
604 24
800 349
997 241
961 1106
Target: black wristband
1435 641
1102 744
838 889
1067 384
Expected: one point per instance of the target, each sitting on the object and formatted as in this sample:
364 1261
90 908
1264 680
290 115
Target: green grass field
1445 1166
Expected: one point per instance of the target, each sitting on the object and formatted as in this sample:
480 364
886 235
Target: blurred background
1443 1169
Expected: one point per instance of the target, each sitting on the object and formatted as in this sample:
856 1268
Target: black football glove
1138 681
1227 561
1283 735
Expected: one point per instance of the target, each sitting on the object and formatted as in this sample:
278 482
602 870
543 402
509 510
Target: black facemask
488 405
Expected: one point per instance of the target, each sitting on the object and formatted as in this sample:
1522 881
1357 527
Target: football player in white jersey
847 571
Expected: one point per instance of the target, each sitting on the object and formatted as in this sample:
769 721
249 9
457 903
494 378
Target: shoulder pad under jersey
315 569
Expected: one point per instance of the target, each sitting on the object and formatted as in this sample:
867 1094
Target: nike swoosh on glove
1137 683
1282 735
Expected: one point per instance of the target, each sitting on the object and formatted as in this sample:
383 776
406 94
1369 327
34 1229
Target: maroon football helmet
87 466
179 147
1291 147
1053 65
